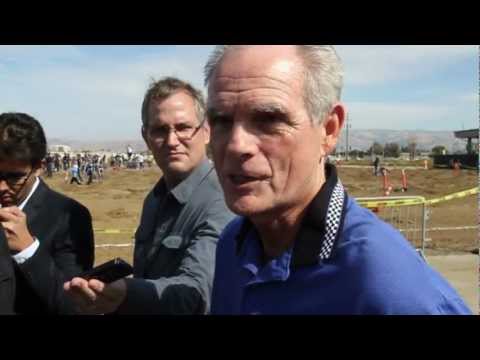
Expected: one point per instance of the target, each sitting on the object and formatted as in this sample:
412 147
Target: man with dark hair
7 278
182 216
49 235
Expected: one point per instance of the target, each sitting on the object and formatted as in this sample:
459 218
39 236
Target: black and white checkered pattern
332 220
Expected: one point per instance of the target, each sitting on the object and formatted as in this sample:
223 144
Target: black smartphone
109 272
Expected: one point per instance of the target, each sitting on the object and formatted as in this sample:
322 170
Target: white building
60 149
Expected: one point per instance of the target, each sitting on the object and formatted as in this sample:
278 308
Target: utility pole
347 147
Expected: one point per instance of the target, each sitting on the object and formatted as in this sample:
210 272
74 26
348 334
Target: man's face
267 153
174 153
16 181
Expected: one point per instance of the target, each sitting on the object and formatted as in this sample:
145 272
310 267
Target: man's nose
3 185
241 141
172 139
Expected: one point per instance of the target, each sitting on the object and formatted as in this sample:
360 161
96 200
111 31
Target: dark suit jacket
64 229
7 278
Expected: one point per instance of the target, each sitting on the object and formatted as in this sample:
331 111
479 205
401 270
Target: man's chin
245 206
6 203
177 169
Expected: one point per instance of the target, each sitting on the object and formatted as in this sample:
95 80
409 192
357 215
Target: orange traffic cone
404 181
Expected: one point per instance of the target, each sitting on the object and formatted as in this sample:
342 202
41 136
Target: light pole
347 134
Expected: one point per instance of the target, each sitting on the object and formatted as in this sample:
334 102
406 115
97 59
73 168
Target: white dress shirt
28 252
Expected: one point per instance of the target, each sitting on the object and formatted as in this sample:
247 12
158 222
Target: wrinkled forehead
261 65
178 107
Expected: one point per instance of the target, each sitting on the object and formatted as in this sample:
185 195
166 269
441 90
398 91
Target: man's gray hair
167 86
323 75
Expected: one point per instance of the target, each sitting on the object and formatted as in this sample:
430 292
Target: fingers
11 212
79 288
14 210
83 297
8 226
96 285
6 215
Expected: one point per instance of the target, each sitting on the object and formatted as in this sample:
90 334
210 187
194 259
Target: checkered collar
320 227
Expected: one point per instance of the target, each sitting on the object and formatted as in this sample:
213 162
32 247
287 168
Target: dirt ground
462 272
431 184
116 204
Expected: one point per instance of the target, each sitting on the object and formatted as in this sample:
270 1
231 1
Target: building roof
465 134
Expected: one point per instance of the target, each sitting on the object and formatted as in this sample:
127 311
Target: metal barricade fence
409 214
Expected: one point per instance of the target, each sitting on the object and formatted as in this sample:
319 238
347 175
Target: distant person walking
65 161
89 172
50 165
376 163
140 160
57 162
75 172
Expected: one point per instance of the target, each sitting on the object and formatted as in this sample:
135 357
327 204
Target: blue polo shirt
345 260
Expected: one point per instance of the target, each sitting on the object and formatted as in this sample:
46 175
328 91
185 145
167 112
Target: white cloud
39 53
470 99
370 65
79 95
97 96
422 116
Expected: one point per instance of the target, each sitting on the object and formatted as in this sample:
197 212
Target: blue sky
95 92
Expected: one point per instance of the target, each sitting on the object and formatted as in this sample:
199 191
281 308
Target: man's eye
220 121
159 131
267 119
14 176
184 128
267 122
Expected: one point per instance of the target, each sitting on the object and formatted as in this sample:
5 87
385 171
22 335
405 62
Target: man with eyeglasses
49 236
182 216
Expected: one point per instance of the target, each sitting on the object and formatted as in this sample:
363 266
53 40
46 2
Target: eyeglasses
183 132
14 178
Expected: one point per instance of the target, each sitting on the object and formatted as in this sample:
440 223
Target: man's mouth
237 179
6 200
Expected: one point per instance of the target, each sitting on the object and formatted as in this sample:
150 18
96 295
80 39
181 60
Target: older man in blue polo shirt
301 245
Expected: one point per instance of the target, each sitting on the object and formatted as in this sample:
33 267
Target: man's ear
37 167
333 125
206 131
145 137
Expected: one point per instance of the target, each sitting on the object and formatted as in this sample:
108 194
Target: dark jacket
64 229
7 278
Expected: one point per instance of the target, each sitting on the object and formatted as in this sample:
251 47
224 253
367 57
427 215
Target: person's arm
71 253
189 290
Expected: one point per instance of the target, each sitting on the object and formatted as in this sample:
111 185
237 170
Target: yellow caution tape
391 203
457 195
417 201
115 231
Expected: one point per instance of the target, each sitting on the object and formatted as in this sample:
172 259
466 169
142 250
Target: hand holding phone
108 272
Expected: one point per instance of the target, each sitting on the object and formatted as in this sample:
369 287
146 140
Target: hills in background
116 146
362 139
359 139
